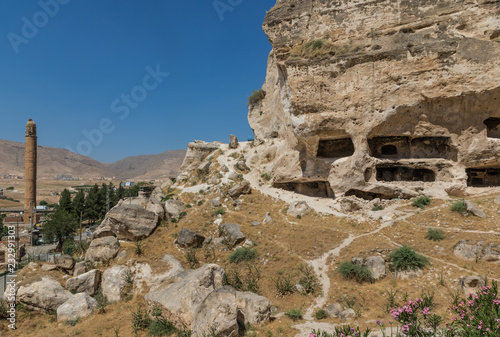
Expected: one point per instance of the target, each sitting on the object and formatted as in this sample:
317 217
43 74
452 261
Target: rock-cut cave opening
483 177
320 189
335 148
493 125
401 173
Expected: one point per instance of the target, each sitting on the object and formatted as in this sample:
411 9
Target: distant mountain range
54 161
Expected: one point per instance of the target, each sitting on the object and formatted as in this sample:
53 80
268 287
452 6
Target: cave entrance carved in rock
319 188
402 173
402 147
493 125
335 148
483 177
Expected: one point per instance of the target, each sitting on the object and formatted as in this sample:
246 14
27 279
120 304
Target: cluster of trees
3 230
90 207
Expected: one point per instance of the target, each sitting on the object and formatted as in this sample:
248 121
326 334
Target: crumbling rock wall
383 98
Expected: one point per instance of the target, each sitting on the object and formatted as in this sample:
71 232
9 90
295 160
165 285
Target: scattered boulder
376 264
102 249
350 204
232 233
299 288
215 203
233 142
346 314
255 223
252 308
114 280
49 267
241 165
233 175
189 239
87 282
491 253
166 184
174 208
334 310
267 219
79 269
45 295
298 208
241 188
182 298
78 306
65 262
467 250
217 314
474 210
127 222
471 284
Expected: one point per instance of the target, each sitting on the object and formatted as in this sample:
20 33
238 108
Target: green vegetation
421 202
72 322
220 211
139 248
243 281
256 97
192 258
352 271
308 280
266 176
242 254
377 208
435 234
284 284
294 314
60 227
102 301
43 203
320 314
405 258
459 206
3 229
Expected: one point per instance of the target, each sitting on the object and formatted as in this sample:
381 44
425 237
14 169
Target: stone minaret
30 172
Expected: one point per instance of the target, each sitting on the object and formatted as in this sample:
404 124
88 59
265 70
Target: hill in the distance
55 161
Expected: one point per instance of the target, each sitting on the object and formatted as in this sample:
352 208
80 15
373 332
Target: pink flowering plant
478 315
416 319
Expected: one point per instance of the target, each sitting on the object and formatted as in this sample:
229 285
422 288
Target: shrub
139 249
421 202
308 281
294 314
256 97
352 271
140 319
435 234
315 44
242 254
160 326
102 301
191 258
405 258
241 281
43 203
284 284
377 208
459 206
69 247
320 314
72 322
266 176
218 211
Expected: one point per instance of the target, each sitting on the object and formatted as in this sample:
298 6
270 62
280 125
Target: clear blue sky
83 66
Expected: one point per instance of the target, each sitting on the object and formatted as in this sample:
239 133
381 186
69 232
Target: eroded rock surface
381 99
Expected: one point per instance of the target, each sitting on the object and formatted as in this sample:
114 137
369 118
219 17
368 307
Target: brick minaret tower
30 172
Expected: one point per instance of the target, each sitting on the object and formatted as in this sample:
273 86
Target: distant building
64 177
128 184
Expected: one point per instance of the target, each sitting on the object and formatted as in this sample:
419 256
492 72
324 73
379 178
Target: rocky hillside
382 98
56 161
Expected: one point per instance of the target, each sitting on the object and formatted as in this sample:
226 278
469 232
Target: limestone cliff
382 98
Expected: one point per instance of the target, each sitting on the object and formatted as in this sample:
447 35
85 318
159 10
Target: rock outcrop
196 153
114 280
104 248
189 239
381 99
44 295
128 222
78 306
87 282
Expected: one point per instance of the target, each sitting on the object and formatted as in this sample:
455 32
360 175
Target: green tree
120 193
61 226
93 205
43 203
113 197
3 230
78 203
65 200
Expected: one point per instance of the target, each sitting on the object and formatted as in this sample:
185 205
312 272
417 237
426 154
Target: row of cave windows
403 147
477 177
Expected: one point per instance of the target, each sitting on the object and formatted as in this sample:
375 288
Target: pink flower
312 335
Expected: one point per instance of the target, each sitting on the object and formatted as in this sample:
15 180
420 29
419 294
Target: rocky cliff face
382 98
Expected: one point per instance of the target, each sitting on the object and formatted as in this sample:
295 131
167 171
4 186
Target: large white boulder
78 306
